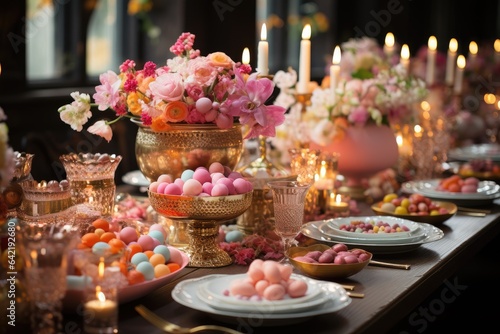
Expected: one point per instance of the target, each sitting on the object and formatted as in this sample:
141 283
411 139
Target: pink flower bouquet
190 88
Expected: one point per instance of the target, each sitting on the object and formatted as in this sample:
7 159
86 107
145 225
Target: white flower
101 128
78 112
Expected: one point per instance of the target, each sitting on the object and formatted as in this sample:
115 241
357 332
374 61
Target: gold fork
173 328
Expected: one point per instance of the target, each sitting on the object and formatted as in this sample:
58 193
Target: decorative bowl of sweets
415 207
328 262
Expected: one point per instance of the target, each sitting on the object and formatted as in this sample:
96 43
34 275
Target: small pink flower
101 128
167 87
107 94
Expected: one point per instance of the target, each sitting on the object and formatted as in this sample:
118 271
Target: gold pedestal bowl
202 216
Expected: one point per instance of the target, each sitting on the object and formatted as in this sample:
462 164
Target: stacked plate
209 294
416 234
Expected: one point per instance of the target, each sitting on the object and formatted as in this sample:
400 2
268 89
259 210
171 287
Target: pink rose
167 87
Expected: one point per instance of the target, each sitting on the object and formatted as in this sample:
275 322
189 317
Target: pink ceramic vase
364 151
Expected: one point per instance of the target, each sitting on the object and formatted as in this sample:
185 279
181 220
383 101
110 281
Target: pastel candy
192 187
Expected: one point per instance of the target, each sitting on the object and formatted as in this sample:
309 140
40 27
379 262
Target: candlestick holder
304 99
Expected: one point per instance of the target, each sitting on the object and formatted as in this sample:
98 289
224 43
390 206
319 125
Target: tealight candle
336 203
102 314
305 61
450 62
431 61
263 53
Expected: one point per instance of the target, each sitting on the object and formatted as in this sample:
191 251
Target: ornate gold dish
202 216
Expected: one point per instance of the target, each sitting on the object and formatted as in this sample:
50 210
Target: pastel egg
161 270
159 227
192 187
286 272
179 182
165 178
229 184
220 190
242 288
163 250
187 175
157 235
100 247
216 167
272 272
234 175
128 234
256 274
202 175
216 177
146 242
157 259
161 187
227 171
153 186
147 269
297 288
234 236
172 189
274 292
207 187
261 286
242 186
138 258
175 255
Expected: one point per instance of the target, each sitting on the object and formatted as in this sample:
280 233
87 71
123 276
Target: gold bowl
202 214
325 270
429 219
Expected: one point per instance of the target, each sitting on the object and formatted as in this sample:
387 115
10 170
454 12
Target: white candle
473 49
457 89
305 61
335 69
103 310
431 61
405 58
496 46
389 44
245 56
263 53
450 61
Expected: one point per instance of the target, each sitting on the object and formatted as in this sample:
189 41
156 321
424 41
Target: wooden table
390 294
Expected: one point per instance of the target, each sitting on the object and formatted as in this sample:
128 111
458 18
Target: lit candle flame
489 98
405 52
432 43
453 45
338 199
336 56
496 45
263 32
425 106
245 57
461 62
399 139
473 49
306 32
101 296
417 129
100 269
389 39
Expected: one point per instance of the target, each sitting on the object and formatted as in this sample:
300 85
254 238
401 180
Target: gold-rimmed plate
429 219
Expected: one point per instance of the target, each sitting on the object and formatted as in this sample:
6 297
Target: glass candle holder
44 198
92 179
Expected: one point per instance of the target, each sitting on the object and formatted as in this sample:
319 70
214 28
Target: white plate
336 223
473 152
486 193
431 232
217 287
325 228
186 293
227 303
136 178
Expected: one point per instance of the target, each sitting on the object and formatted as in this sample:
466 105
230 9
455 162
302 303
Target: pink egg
146 242
234 175
216 167
192 187
227 171
241 186
274 292
153 187
257 263
297 288
242 288
229 184
159 227
220 190
207 187
261 286
128 234
172 189
216 177
255 274
179 182
175 255
202 175
161 187
165 178
286 272
272 272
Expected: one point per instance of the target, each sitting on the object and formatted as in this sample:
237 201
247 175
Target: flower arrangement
190 88
371 90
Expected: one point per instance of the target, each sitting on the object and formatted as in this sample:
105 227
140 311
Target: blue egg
158 236
100 248
147 270
163 250
138 258
187 174
234 236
